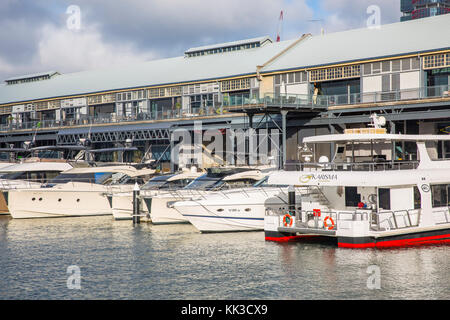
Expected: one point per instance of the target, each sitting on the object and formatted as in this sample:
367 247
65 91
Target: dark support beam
284 136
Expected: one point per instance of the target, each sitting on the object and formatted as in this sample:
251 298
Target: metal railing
353 166
378 221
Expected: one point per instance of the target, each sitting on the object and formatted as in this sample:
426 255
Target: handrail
356 166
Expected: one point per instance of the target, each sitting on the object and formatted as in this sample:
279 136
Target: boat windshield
156 182
205 182
105 178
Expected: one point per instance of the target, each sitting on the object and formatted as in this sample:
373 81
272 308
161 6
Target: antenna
280 26
322 30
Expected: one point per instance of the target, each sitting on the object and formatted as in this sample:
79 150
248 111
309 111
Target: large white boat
162 208
159 186
76 192
31 173
237 209
368 196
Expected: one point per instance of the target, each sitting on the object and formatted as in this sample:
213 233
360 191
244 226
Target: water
119 261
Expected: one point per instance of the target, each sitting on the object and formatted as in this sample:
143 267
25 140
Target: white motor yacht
151 193
31 173
162 208
76 192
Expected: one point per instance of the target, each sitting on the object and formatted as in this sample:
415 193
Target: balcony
241 103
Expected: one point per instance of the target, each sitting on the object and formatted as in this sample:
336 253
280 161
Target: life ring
331 227
287 220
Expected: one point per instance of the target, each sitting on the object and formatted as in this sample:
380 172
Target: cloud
342 15
65 50
35 38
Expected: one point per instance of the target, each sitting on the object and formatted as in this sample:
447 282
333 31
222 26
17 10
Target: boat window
73 177
439 195
15 176
205 182
156 182
417 199
261 182
109 179
352 198
239 183
384 198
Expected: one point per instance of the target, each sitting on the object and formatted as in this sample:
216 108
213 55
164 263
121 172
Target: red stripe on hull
431 240
288 238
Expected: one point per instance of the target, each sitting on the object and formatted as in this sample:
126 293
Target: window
417 199
384 198
335 73
406 64
352 198
439 195
436 61
236 84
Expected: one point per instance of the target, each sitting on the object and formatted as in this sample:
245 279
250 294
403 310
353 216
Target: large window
335 73
440 195
352 198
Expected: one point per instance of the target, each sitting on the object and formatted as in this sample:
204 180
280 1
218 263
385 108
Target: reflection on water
119 261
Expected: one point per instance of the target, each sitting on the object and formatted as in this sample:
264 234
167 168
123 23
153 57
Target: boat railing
441 215
379 221
394 220
353 166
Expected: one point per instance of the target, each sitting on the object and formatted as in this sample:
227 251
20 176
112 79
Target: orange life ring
287 220
331 227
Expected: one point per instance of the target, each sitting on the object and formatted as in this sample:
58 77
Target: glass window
352 198
417 199
439 195
384 198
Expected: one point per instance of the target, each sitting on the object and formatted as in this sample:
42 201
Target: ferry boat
76 192
155 188
367 197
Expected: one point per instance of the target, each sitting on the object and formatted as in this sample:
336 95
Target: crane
280 26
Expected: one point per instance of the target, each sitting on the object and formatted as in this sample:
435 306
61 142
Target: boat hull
419 238
46 204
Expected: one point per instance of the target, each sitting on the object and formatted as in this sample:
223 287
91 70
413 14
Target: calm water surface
119 261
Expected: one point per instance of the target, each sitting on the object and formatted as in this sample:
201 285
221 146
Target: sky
76 35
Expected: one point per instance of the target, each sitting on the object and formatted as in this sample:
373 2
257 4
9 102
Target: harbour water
175 262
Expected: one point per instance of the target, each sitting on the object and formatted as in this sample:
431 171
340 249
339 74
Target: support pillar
284 137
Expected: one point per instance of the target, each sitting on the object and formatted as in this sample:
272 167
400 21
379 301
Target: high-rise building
416 9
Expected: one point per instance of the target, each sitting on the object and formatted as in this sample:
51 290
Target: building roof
229 44
151 73
348 46
34 75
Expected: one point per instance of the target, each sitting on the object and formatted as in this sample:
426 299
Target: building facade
416 9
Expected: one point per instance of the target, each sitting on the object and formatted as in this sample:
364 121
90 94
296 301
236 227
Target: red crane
280 26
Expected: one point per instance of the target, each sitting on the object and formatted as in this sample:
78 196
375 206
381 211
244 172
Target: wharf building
314 84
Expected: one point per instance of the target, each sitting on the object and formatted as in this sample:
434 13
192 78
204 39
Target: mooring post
136 204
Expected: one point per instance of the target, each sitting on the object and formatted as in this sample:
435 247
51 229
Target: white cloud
350 14
67 50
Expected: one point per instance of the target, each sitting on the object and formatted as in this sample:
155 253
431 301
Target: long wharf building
305 86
